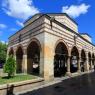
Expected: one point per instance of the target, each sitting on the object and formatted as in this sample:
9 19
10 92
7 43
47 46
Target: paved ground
80 85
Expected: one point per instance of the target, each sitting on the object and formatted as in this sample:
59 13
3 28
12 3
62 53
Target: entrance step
75 74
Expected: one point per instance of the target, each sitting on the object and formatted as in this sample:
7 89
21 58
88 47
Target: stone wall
12 88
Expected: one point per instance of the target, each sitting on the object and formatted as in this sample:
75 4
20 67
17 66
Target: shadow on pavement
80 85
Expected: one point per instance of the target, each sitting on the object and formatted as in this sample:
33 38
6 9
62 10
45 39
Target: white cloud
19 8
4 42
76 10
3 26
19 23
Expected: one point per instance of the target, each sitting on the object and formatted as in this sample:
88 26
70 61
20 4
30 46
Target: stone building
49 45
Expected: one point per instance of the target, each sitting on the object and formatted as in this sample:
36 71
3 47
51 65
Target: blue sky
14 12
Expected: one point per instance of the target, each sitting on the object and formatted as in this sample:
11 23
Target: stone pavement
56 81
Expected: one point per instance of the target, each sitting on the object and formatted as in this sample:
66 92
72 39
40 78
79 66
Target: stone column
15 59
87 63
41 65
24 64
68 66
79 67
91 64
47 63
15 55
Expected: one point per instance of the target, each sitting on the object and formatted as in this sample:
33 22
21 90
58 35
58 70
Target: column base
68 74
25 72
79 71
49 78
87 70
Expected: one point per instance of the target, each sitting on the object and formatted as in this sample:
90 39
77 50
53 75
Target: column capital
14 51
79 58
68 56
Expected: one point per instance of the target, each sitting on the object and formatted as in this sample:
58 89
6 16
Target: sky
14 12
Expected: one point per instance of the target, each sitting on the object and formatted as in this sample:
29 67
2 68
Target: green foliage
3 52
10 66
16 78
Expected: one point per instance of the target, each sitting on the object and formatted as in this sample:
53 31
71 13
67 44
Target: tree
3 52
10 66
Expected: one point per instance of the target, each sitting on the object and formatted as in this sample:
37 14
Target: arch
20 46
11 52
74 51
89 54
83 59
89 59
76 47
19 59
33 57
93 59
60 59
61 40
93 55
83 53
36 41
61 48
74 59
73 47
